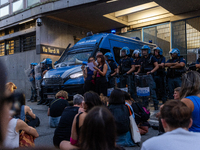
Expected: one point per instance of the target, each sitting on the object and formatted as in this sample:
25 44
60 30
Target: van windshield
82 56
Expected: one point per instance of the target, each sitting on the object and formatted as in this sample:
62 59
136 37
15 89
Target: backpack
141 113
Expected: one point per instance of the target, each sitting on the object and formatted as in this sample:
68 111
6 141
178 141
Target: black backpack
141 115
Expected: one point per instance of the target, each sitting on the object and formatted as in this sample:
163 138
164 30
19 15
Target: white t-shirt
178 139
12 137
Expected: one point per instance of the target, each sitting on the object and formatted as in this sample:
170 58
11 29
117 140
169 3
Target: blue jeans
127 80
54 121
125 140
172 84
161 87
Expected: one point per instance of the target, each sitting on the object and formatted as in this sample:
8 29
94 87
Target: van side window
116 51
104 50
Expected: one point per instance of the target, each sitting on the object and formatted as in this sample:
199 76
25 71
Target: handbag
135 132
26 140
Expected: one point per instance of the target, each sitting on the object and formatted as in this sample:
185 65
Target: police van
67 74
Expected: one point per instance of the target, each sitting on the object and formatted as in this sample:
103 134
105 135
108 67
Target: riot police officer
125 69
46 65
32 80
149 65
113 66
176 67
160 76
136 60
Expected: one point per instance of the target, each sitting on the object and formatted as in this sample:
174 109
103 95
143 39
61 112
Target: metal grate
53 81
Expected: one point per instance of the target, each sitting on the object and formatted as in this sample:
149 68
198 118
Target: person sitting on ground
98 131
63 131
121 114
10 88
56 108
176 119
190 95
141 115
91 99
177 93
14 127
26 114
104 100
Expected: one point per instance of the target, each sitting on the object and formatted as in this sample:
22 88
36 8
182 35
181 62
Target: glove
125 74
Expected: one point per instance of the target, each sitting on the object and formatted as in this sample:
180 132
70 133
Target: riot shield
38 76
28 74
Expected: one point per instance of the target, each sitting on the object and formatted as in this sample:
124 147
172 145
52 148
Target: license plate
143 91
51 96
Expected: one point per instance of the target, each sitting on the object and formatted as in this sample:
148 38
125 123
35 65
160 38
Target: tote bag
134 128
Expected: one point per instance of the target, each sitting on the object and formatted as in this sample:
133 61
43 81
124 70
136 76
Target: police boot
34 100
30 99
40 102
45 103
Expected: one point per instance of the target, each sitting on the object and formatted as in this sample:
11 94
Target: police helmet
34 64
175 51
47 61
146 47
159 49
137 51
109 55
126 49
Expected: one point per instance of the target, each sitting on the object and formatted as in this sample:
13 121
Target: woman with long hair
91 99
101 70
190 95
98 130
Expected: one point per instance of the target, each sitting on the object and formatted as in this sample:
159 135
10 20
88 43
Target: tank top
89 74
195 114
12 137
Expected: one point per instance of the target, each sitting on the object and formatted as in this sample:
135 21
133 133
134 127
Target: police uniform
113 66
125 65
147 64
160 79
174 75
198 62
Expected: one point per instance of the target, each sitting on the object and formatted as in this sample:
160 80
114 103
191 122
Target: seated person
141 114
121 114
177 93
91 99
56 108
176 119
13 130
63 131
100 124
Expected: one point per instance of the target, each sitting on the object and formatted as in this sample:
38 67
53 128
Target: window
3 2
4 11
29 43
116 51
12 46
2 49
18 5
32 2
2 33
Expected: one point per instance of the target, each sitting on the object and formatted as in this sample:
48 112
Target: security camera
39 22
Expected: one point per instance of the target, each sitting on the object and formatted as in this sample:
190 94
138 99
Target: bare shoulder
188 102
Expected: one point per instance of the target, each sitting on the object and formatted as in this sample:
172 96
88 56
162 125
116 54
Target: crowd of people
96 121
